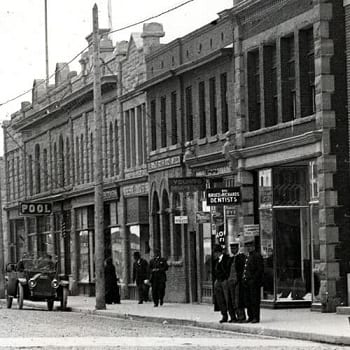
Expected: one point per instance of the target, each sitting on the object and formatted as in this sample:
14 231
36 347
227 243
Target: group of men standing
153 274
237 282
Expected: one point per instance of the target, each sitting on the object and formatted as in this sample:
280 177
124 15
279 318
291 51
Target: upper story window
173 118
189 113
37 172
224 105
153 126
212 103
254 102
163 128
202 114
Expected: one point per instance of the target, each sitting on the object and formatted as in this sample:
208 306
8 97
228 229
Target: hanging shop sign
35 208
223 196
251 230
187 184
182 219
231 212
202 217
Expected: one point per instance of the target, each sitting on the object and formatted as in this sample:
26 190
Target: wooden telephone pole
99 219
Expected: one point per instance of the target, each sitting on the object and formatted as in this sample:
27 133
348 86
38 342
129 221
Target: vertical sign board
187 184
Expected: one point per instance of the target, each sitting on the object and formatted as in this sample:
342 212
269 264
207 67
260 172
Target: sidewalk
289 323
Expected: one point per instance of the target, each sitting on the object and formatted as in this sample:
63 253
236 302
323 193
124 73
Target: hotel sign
164 163
223 196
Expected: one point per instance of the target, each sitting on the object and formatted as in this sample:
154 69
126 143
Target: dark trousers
143 291
252 299
221 296
235 305
158 291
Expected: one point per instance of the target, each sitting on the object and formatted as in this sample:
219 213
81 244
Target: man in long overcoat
252 280
220 275
158 267
140 275
235 290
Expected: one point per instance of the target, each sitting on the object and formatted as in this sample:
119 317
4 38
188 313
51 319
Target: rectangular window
173 118
270 85
163 131
212 103
224 106
288 79
189 114
18 178
132 137
307 72
140 135
127 138
202 116
153 126
254 103
30 174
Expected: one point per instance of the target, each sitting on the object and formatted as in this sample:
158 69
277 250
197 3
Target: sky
22 35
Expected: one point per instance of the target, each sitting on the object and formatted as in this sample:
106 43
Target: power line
82 51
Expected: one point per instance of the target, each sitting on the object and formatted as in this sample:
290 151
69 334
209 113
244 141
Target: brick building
49 154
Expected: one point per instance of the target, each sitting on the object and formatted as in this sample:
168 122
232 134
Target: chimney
152 32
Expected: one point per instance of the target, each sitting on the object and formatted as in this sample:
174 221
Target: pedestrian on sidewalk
141 277
235 290
252 280
112 294
220 274
158 267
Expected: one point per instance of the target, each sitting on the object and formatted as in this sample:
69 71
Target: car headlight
54 284
31 283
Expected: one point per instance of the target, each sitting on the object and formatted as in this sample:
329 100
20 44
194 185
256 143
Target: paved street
39 329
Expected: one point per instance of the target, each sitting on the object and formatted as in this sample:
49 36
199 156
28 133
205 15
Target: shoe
141 302
223 320
247 321
254 320
155 305
233 320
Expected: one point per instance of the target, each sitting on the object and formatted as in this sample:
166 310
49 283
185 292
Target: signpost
29 208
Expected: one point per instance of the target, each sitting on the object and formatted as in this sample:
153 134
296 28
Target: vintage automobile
36 280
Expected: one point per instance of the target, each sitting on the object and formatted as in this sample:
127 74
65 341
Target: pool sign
36 208
223 196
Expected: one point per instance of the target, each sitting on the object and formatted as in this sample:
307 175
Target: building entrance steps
300 324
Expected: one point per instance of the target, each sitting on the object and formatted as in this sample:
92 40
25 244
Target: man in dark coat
252 280
235 292
158 267
140 275
111 283
220 275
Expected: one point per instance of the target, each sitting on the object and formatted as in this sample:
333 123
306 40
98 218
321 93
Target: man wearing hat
252 280
234 282
220 274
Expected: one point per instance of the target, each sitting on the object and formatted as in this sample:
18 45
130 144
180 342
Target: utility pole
99 219
46 52
2 267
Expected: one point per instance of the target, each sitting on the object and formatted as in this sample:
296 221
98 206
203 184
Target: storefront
289 217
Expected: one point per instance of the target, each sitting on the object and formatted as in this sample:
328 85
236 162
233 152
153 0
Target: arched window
166 250
30 175
61 161
82 172
45 170
156 222
55 167
68 162
92 167
111 150
37 169
177 237
77 160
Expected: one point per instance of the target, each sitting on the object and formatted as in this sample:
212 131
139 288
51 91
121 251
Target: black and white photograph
175 174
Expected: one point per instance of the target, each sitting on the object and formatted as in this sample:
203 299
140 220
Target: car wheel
50 304
9 302
64 299
20 296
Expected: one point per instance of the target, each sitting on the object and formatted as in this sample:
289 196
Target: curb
237 328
